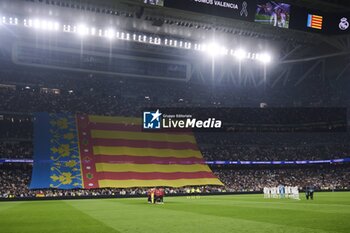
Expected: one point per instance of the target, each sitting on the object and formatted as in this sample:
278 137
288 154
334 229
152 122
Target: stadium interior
116 58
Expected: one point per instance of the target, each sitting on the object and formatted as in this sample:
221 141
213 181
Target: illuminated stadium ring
212 49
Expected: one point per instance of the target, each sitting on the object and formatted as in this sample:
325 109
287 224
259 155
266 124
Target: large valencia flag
87 151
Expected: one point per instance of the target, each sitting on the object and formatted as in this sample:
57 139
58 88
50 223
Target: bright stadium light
240 54
110 33
56 26
265 58
93 31
44 25
214 49
36 23
50 25
41 24
189 45
82 30
13 21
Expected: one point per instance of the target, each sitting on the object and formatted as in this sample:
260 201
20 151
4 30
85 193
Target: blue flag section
56 152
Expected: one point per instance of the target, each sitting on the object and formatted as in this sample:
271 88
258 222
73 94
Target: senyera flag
84 151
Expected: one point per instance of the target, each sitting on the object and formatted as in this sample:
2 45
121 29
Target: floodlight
93 31
240 54
50 25
110 33
214 49
189 45
265 58
43 24
82 30
36 23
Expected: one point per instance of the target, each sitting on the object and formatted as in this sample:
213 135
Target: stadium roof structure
290 48
327 5
324 5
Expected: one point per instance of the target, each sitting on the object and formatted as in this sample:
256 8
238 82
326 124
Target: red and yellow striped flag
314 21
114 152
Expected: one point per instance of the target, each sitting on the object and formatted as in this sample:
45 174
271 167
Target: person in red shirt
161 195
149 195
157 195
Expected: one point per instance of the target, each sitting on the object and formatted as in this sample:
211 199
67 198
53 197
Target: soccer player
281 191
274 192
269 192
295 191
265 192
153 195
289 192
188 192
161 195
311 192
193 192
157 195
307 194
198 191
149 195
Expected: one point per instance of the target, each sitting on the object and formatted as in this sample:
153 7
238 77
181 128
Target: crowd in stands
28 90
14 182
92 95
16 127
280 139
323 178
276 153
234 147
273 146
16 150
17 135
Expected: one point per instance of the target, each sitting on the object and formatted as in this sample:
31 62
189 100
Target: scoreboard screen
155 2
234 9
274 13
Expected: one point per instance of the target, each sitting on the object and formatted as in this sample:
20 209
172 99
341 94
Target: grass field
329 212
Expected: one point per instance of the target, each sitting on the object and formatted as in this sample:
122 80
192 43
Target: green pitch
329 212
